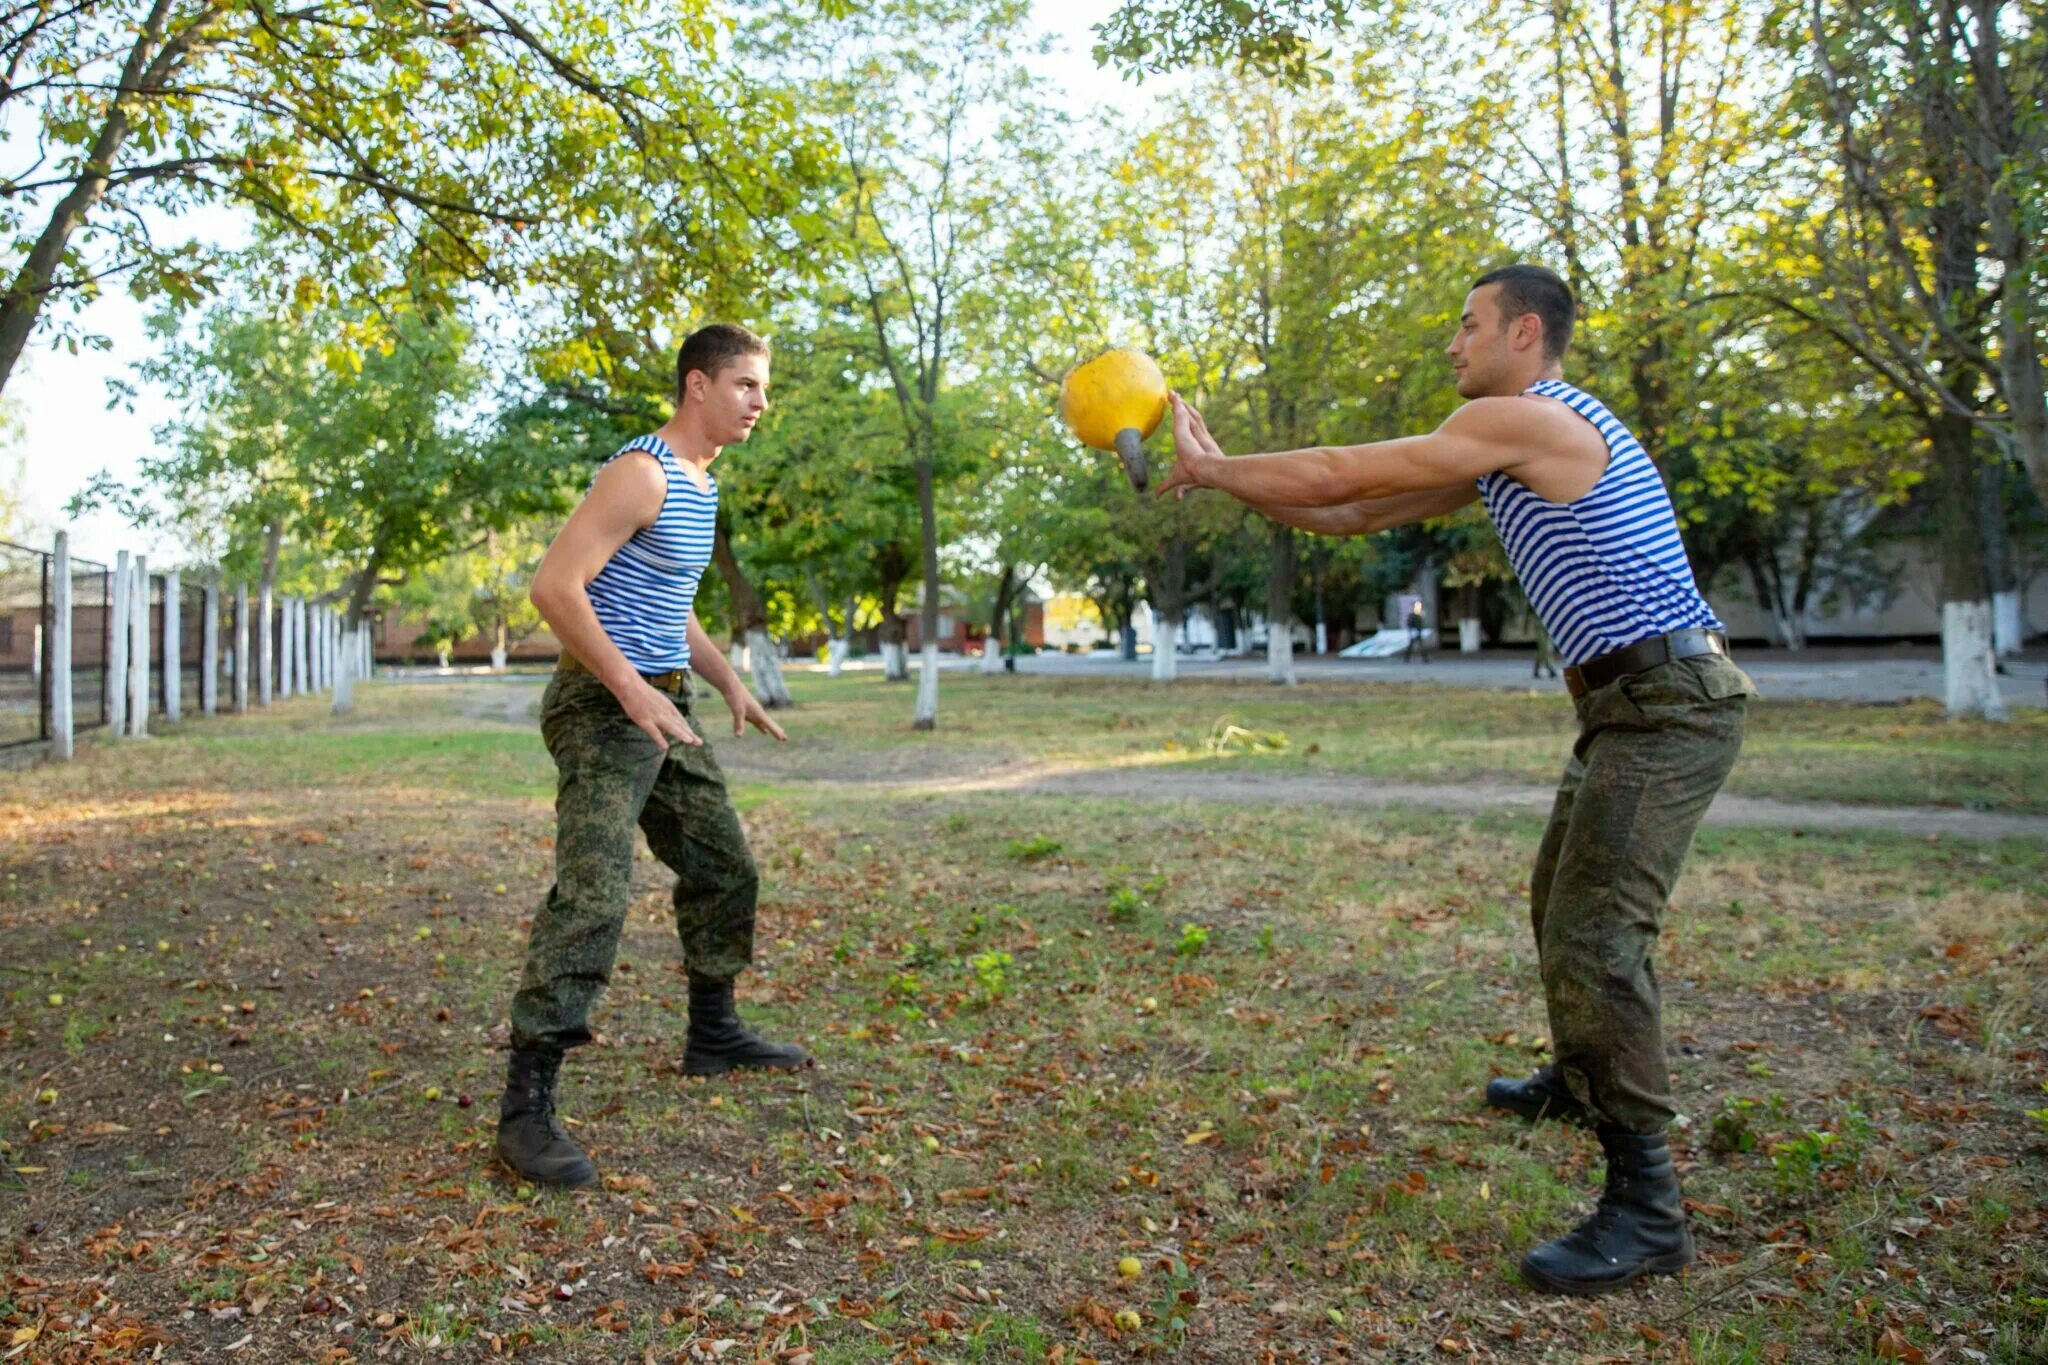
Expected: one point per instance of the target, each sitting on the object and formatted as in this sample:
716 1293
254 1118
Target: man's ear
1528 330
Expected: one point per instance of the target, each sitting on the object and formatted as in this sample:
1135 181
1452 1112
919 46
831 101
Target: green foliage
1193 940
1032 849
991 982
1803 1161
1124 904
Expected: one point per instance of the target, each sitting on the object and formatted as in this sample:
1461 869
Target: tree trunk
1968 665
894 566
1280 607
1768 586
1166 584
1165 646
750 619
2001 571
992 646
927 714
1468 618
500 651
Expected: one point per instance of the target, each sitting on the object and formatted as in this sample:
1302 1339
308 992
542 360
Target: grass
1239 1043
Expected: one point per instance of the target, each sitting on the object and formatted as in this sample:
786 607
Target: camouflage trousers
609 778
1653 748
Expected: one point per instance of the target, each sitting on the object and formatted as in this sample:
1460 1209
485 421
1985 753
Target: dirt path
1200 782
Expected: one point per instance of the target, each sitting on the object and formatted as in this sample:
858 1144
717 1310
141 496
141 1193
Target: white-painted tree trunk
928 687
895 661
498 657
1280 655
60 647
1967 663
1468 635
836 650
241 646
138 650
766 670
116 677
345 674
1165 649
991 655
2008 630
174 649
1322 638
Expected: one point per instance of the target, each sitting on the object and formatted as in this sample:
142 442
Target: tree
398 146
1922 238
356 454
927 104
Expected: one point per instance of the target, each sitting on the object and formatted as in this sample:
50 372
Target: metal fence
26 668
24 613
303 630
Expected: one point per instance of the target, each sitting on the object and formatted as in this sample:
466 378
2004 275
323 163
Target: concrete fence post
174 649
138 649
119 599
60 647
303 634
266 646
288 642
242 646
209 649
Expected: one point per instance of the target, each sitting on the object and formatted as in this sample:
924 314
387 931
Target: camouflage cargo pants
1653 748
610 777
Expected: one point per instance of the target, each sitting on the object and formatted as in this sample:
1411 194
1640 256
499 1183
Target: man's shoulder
633 479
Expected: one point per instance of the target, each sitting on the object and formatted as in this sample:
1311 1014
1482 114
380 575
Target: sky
70 434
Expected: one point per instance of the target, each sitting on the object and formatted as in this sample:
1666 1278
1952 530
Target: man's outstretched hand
1194 450
746 710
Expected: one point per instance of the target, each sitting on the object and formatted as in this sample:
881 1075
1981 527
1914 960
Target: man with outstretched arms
1588 526
617 588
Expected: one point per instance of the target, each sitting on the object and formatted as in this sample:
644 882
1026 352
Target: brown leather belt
674 682
1597 672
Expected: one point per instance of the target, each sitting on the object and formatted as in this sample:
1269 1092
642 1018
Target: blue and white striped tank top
1609 569
644 592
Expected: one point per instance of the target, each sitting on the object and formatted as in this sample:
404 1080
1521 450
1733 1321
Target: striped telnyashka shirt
644 592
1607 570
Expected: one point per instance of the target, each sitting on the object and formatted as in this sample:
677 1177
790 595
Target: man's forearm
1368 515
708 663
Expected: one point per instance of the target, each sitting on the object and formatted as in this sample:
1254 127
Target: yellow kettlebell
1114 402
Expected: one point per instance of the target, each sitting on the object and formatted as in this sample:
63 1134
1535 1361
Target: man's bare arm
1368 515
708 662
627 496
1541 443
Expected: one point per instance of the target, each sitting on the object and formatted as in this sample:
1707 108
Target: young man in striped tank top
617 587
1589 529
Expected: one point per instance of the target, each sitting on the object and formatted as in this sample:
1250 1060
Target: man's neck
684 436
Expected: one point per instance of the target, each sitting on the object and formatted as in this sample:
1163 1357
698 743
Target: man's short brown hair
1533 289
713 347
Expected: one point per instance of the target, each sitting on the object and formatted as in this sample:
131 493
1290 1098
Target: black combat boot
1542 1096
1637 1229
719 1042
531 1140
